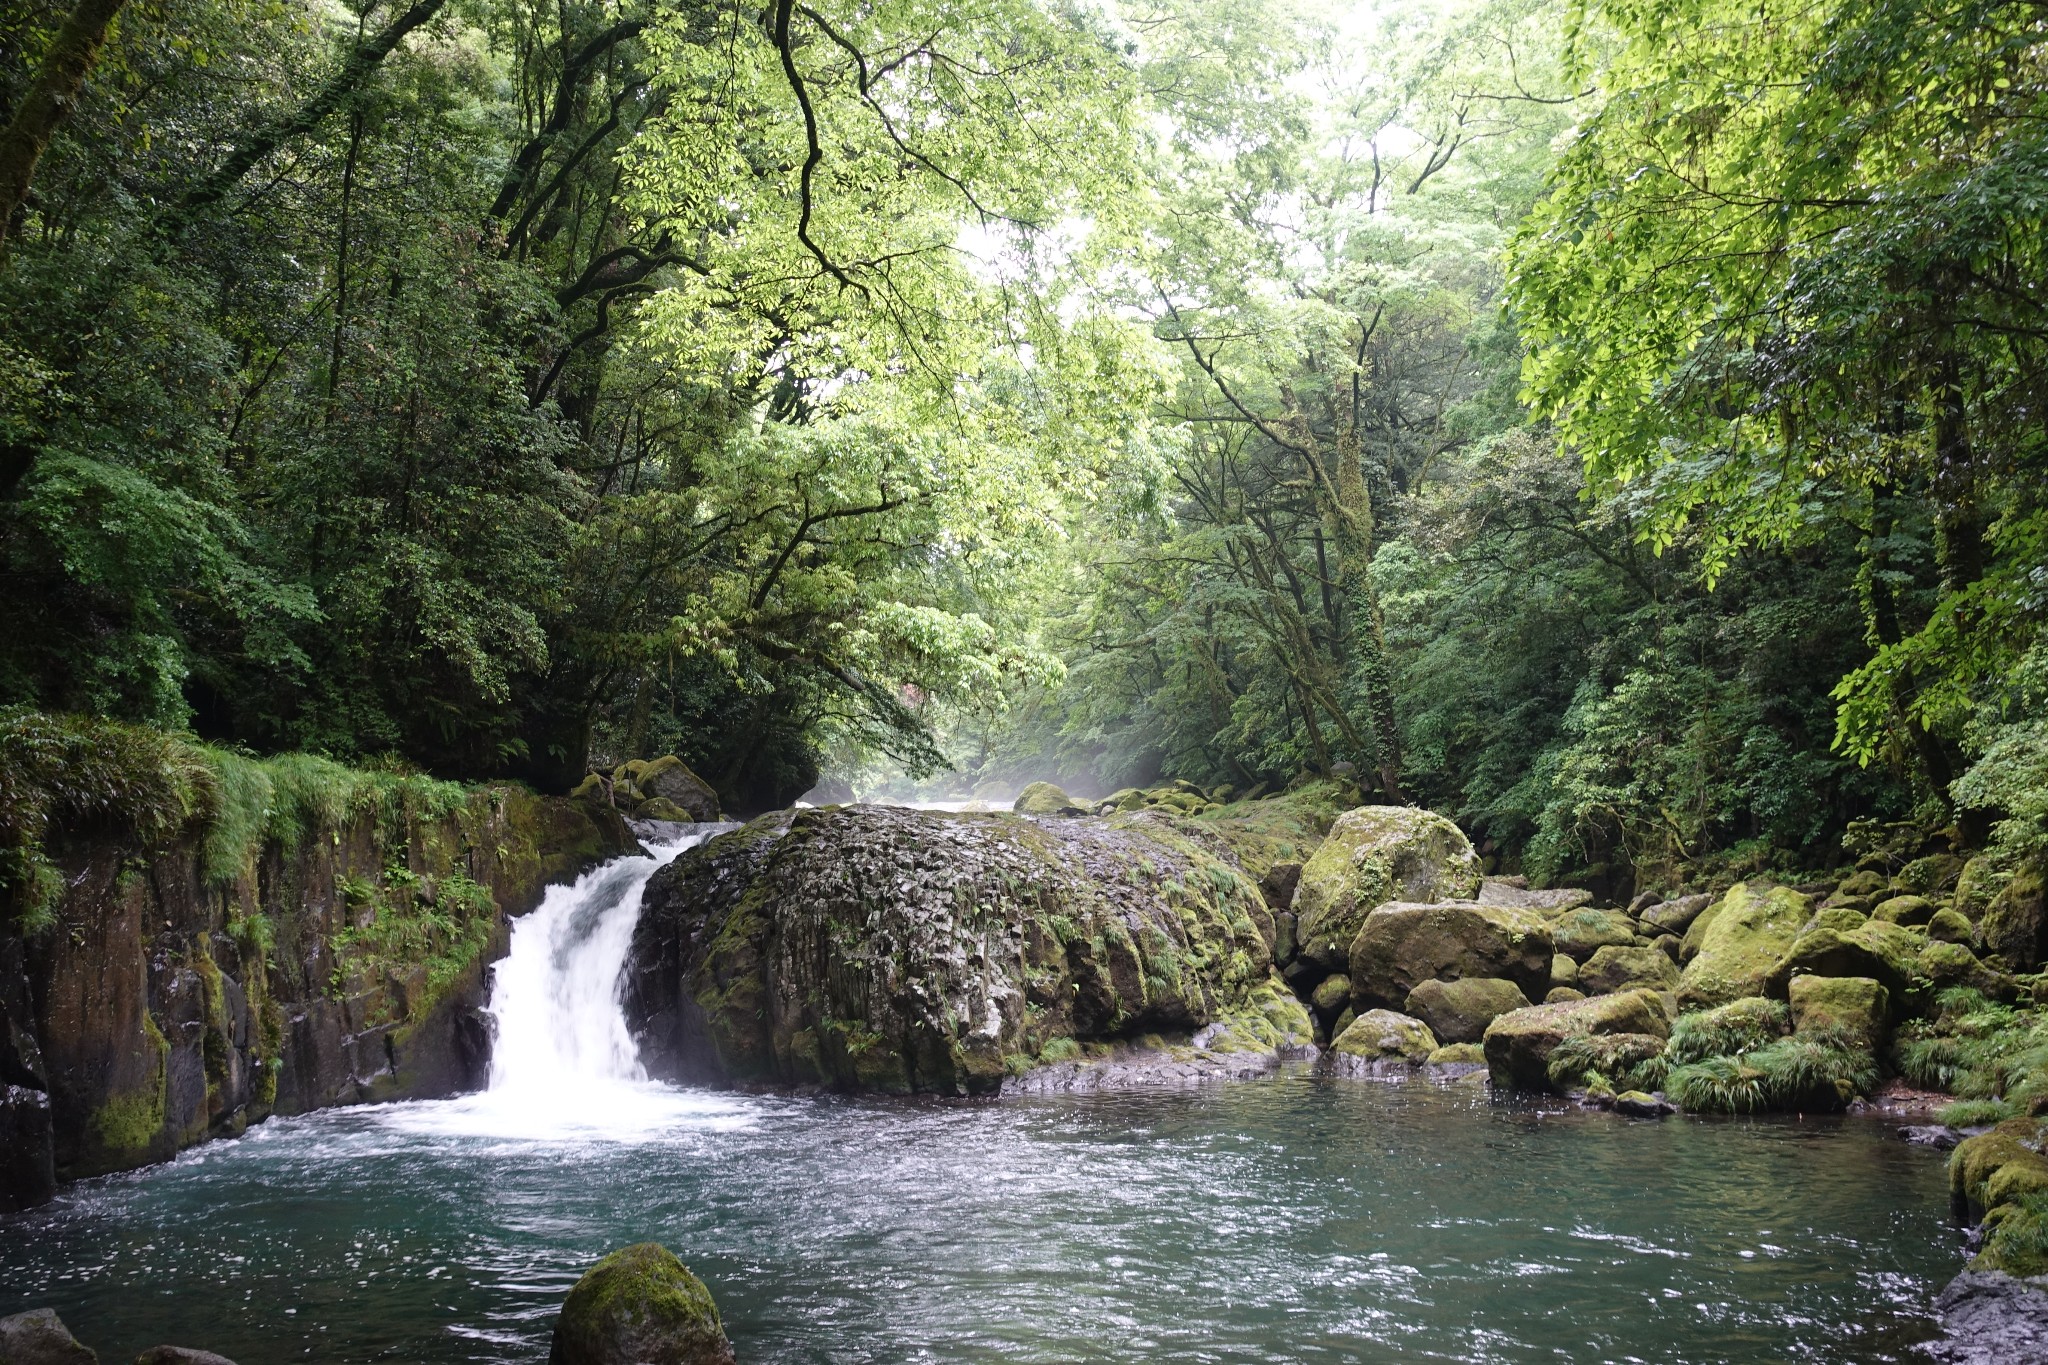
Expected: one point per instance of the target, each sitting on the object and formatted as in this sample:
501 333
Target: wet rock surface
640 1306
39 1337
879 948
1989 1318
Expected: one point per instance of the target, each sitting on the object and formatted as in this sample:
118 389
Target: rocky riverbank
290 936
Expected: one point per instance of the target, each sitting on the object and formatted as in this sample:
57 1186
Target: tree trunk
49 101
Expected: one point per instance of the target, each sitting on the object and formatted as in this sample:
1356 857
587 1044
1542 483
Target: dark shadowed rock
39 1337
640 1306
670 779
1989 1318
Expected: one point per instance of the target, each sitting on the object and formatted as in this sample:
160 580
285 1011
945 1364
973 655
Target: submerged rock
1403 945
180 1355
877 948
1459 1011
640 1306
1374 855
39 1337
1519 1044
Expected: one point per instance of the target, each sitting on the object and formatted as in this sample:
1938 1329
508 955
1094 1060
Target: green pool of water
1292 1220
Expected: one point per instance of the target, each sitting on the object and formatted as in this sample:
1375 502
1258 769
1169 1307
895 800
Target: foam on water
564 1066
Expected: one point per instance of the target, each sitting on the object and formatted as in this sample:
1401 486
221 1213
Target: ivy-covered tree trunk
48 102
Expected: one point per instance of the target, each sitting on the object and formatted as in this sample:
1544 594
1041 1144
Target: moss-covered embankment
878 948
194 940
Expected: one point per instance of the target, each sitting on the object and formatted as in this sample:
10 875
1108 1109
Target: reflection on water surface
1292 1220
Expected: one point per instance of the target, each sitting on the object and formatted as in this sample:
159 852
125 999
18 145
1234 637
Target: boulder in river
1382 1038
180 1355
1734 945
39 1337
1518 1044
1459 1011
670 779
1403 945
1989 1318
640 1306
1374 855
878 948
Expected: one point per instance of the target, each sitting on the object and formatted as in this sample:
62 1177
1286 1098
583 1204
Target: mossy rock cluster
2002 1177
653 789
1375 855
879 948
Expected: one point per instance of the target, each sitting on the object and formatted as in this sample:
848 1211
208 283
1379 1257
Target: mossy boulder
1859 890
1929 876
2016 922
1518 1044
1558 995
670 779
879 948
1909 910
1403 945
1952 964
640 1306
1979 883
1581 933
1332 994
1043 798
1978 1160
1948 926
1876 949
661 808
1740 940
1515 891
1374 855
1459 1011
1676 915
1615 968
1458 1054
1857 1007
1563 971
1379 1038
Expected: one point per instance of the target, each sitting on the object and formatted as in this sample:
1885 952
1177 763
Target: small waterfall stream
563 1064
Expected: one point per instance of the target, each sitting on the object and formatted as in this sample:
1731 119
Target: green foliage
2016 1238
1623 1062
1808 1070
1993 1057
1740 1026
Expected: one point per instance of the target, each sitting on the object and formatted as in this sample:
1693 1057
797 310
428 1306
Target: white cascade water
563 1064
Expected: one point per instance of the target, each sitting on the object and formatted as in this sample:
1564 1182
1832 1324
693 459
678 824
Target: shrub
1737 1027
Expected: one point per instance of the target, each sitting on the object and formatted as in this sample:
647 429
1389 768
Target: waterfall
554 1003
563 1064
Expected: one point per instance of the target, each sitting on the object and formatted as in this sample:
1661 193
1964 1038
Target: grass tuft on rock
1737 1027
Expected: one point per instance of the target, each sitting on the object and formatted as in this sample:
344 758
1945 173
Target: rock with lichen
640 1306
1402 945
878 948
1374 855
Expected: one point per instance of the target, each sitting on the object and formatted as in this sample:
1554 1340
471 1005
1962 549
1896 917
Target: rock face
877 948
39 1337
1988 1318
1402 945
640 1306
165 1006
1519 1044
1459 1011
1735 944
1374 855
